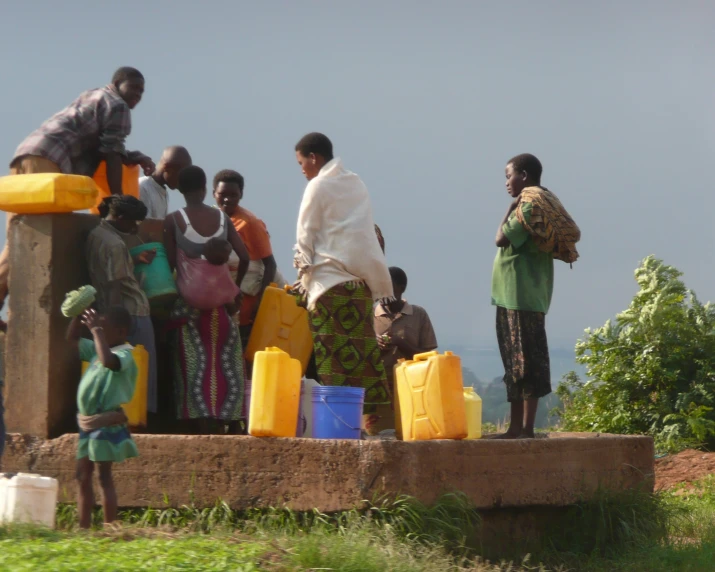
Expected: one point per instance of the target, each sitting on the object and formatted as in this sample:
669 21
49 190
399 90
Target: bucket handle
325 402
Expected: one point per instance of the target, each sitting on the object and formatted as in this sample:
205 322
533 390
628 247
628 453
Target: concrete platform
337 475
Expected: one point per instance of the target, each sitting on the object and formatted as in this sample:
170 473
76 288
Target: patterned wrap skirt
208 363
524 353
346 350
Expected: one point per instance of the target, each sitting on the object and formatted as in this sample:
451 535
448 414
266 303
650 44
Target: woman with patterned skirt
207 353
341 272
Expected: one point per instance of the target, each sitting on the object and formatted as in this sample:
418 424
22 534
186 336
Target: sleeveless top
191 242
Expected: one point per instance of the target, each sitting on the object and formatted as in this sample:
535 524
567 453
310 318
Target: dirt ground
685 467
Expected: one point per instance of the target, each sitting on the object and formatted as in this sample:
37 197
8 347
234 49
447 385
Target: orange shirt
253 232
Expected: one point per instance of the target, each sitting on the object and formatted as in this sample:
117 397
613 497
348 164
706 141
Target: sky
426 101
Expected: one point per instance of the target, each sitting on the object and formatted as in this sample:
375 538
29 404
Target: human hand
145 257
384 342
146 164
90 318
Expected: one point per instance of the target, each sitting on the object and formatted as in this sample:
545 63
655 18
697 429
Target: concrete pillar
42 372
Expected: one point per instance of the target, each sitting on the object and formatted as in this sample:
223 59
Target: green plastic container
156 279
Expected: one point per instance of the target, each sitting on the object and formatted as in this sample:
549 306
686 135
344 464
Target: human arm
170 240
114 172
74 331
309 219
145 257
501 239
513 231
90 318
139 158
240 249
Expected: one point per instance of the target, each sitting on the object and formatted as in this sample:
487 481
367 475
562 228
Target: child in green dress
108 383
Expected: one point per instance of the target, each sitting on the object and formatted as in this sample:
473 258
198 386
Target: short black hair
126 207
398 276
192 179
119 317
126 73
316 143
529 163
228 176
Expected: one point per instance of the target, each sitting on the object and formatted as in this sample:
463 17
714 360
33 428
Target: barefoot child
108 383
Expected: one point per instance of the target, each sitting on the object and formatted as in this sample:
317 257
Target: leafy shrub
652 371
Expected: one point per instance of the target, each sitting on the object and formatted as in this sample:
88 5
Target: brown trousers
26 165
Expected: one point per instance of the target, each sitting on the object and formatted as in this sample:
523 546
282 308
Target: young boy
107 384
522 284
402 330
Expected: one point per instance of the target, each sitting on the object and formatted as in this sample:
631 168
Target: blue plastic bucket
337 412
156 278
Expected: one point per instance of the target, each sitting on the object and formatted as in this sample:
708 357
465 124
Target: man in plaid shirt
74 141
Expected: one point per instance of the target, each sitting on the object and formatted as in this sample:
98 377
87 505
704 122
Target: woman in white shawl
341 271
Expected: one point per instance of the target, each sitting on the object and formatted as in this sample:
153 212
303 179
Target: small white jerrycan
28 498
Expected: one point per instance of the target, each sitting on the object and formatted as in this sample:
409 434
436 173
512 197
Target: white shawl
336 240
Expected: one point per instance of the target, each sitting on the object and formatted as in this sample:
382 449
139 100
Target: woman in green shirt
522 285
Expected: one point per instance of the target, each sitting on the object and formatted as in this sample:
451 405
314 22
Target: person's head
129 83
172 161
313 151
399 281
192 183
228 190
123 212
116 323
217 251
522 171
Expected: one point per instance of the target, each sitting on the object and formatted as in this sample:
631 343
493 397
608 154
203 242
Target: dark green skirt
346 350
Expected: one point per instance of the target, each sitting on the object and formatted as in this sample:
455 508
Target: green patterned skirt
346 350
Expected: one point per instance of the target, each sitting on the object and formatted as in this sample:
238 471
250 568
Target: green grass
630 531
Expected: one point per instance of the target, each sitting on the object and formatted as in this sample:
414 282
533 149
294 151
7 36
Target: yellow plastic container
44 193
130 183
136 409
473 408
281 323
275 394
431 397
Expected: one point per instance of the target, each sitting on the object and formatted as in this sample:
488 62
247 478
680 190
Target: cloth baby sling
550 225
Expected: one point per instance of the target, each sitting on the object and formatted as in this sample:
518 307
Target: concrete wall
42 372
339 475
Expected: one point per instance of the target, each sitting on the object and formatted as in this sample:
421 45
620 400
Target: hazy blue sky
426 101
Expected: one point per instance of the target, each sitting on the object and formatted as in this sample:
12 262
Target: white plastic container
28 498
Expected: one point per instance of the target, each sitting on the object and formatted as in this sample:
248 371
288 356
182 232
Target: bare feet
527 434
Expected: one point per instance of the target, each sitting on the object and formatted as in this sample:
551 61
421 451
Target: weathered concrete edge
338 475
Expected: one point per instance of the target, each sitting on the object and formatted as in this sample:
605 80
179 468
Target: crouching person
108 383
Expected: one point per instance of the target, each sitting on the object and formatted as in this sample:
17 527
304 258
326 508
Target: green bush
652 371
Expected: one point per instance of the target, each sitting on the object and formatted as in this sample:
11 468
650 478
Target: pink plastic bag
203 285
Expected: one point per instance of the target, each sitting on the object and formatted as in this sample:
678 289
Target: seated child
108 383
217 251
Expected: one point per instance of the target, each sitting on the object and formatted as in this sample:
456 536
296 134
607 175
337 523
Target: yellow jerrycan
473 408
275 394
431 397
281 323
136 409
44 193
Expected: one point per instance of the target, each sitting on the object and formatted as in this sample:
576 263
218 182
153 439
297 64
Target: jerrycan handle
274 349
424 356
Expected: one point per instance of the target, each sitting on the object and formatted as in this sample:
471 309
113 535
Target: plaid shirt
97 122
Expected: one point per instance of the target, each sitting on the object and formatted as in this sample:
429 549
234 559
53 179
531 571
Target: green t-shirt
523 275
102 389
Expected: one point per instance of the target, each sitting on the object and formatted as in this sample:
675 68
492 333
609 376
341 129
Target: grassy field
664 532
